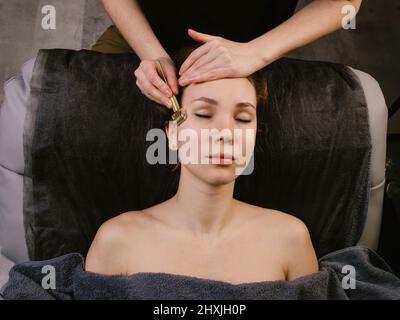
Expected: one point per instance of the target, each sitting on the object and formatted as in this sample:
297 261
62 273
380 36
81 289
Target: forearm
314 21
133 25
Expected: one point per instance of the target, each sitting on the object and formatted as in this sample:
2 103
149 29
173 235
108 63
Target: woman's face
217 139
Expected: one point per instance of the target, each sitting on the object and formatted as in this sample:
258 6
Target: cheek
246 136
193 135
189 144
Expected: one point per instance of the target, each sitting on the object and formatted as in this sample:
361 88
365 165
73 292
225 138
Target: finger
194 55
150 97
210 74
144 92
200 37
203 69
172 80
151 90
200 63
152 75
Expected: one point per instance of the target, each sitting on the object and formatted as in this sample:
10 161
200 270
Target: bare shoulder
276 221
107 253
290 230
290 235
296 245
291 227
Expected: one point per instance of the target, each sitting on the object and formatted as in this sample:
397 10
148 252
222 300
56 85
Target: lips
223 156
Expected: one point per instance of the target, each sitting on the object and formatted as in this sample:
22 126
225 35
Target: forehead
225 91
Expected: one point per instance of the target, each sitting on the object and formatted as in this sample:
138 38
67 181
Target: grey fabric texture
85 145
5 267
373 279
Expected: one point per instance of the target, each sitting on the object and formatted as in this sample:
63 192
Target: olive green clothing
112 41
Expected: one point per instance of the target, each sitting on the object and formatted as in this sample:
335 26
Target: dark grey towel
373 280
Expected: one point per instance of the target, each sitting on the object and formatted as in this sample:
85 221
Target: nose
226 136
225 127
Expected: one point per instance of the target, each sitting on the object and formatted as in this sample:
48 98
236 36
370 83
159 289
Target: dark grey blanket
372 279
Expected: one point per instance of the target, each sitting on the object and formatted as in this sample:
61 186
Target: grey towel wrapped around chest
372 279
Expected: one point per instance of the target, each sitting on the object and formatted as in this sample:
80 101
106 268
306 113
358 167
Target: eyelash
207 117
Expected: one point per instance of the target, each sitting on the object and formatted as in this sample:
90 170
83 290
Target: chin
215 174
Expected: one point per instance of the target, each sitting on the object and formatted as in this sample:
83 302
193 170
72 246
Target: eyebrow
212 101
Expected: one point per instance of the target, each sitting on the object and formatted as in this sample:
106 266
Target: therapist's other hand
218 58
151 83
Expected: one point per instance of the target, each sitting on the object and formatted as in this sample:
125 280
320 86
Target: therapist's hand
152 85
218 58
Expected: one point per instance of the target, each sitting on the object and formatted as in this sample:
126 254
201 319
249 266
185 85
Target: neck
203 209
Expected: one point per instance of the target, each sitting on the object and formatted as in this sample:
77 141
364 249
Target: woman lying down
203 231
202 243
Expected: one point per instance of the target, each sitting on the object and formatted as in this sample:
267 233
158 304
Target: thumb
172 80
199 36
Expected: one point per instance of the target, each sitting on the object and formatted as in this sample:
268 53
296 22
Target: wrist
150 51
265 52
153 55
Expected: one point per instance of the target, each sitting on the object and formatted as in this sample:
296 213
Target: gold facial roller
179 114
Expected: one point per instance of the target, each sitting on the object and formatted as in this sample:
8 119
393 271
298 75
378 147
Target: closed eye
207 116
202 115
